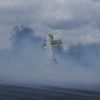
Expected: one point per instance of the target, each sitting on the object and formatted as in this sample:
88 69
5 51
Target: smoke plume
28 63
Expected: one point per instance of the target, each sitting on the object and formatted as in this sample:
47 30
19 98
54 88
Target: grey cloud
83 13
95 0
45 11
68 24
73 24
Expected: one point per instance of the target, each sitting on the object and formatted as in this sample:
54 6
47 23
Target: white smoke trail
29 64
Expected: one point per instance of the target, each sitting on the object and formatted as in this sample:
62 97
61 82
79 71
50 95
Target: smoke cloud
27 63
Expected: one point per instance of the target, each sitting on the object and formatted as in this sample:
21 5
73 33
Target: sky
74 20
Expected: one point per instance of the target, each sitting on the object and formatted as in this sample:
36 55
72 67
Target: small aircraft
52 43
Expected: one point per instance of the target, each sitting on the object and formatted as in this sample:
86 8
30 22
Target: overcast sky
75 20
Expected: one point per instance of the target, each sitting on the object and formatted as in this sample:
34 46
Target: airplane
52 43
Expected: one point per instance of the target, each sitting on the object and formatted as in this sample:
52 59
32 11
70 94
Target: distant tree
21 35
